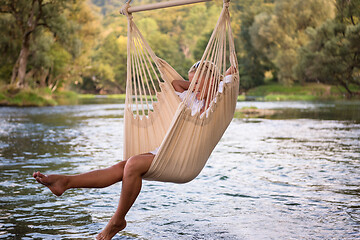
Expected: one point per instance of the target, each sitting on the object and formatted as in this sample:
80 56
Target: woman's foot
56 183
112 228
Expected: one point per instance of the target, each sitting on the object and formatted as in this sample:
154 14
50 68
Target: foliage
305 92
81 45
281 33
252 63
26 97
107 69
9 44
43 40
333 54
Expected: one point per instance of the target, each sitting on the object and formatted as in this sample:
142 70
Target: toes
38 180
99 236
41 175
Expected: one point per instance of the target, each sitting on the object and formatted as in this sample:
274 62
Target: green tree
29 16
252 63
82 34
107 70
280 34
9 46
51 40
332 55
49 35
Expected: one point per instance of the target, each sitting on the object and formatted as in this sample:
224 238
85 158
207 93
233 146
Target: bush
12 96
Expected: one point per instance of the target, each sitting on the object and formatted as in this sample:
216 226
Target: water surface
293 175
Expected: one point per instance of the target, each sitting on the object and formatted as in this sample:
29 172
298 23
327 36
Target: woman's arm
180 85
231 70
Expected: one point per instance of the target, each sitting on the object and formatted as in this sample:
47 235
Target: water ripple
290 178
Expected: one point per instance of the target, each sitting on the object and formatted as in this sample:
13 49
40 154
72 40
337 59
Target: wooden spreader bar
159 5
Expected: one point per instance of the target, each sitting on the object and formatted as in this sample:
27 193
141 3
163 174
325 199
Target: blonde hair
208 65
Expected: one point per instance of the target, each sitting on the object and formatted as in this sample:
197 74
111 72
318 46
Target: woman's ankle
117 221
67 183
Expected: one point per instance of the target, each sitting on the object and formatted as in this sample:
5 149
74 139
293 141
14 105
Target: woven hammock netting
155 117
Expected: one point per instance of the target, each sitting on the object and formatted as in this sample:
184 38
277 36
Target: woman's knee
138 165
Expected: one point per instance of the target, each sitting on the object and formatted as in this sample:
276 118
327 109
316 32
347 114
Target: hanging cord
208 56
139 69
125 8
128 99
215 54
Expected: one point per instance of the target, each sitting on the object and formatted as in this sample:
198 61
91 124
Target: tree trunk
15 72
30 75
186 51
350 93
19 69
44 75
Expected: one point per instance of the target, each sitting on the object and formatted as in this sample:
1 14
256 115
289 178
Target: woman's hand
231 70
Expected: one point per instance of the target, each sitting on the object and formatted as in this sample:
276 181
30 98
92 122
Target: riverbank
39 97
269 92
278 92
297 92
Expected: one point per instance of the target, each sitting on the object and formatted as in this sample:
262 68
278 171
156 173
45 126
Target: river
294 174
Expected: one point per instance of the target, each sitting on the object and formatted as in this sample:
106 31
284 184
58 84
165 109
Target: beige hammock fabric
156 117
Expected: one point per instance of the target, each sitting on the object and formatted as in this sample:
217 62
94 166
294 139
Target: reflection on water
346 110
294 175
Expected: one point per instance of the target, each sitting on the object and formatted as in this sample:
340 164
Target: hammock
156 117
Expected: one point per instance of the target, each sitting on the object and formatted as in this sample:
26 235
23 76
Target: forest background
49 47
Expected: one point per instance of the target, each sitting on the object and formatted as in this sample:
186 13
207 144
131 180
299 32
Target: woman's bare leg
58 184
134 169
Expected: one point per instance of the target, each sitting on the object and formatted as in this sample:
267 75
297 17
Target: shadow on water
291 174
336 111
341 110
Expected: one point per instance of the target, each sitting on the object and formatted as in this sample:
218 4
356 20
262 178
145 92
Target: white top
227 79
198 104
195 104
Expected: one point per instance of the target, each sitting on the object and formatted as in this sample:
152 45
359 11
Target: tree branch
31 13
40 11
12 6
44 25
352 20
5 9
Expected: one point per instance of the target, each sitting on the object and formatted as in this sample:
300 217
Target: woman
129 171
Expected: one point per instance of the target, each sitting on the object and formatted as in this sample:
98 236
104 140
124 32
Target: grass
249 108
117 96
306 92
291 97
2 97
254 112
241 97
92 96
11 96
66 94
66 97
